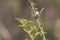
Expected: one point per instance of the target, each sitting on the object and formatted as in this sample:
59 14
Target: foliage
33 30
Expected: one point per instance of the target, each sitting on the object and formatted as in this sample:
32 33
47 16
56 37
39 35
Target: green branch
29 27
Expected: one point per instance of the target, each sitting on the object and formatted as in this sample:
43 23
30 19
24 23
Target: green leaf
24 22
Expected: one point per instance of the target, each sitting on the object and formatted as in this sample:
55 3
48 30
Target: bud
36 13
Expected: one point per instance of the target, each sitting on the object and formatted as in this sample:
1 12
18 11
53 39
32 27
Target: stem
44 38
38 21
32 6
31 36
29 33
41 28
